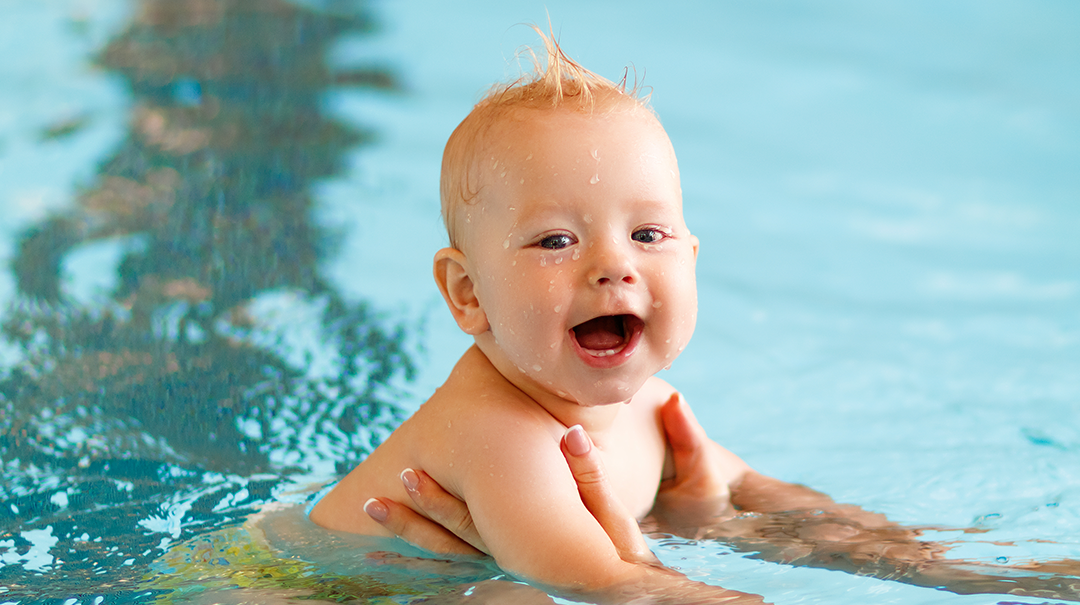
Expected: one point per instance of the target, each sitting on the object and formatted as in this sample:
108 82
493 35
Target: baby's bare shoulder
467 413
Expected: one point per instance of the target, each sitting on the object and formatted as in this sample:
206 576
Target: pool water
219 215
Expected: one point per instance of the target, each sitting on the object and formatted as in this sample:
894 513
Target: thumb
685 435
601 500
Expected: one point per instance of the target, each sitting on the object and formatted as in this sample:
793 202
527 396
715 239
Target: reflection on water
171 408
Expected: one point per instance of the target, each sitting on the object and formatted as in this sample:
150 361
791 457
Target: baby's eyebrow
539 210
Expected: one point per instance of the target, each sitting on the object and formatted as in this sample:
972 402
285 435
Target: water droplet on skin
521 182
596 154
558 308
657 304
595 179
502 175
559 260
553 345
561 394
587 218
543 261
506 244
576 255
667 367
514 264
528 158
668 341
537 367
495 165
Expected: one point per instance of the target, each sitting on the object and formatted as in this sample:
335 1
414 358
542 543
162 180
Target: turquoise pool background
887 196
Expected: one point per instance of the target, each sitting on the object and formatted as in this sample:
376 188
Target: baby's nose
612 266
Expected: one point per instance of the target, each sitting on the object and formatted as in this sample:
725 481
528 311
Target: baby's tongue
600 334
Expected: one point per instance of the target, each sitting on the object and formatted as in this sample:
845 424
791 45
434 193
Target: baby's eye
648 235
557 241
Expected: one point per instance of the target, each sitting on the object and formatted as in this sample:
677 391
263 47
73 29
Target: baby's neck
595 419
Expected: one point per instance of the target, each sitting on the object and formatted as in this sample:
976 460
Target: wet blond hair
559 83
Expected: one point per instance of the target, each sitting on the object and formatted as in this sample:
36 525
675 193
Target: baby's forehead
527 135
505 127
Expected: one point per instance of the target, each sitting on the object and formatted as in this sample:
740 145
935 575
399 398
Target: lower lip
609 361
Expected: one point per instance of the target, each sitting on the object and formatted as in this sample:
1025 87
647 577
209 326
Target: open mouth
607 336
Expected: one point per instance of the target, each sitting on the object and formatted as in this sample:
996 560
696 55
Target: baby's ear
458 291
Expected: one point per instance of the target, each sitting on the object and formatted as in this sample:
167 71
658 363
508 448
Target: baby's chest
634 471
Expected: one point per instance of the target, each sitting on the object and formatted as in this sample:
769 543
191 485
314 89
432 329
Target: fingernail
577 442
376 510
410 479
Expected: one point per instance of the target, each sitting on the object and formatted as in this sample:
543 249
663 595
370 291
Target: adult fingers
600 499
416 529
443 508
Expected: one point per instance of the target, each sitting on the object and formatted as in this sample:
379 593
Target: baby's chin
600 395
620 386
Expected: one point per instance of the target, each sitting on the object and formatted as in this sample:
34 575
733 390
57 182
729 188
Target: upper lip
599 315
610 311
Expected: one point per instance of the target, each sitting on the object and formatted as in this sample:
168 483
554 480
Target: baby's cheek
681 320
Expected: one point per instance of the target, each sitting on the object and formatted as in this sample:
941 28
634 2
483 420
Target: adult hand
451 530
698 494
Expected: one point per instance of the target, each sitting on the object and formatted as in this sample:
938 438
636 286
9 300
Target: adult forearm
794 524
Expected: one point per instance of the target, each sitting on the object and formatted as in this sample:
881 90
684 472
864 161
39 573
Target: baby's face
579 254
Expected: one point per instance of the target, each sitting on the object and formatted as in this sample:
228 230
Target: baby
572 267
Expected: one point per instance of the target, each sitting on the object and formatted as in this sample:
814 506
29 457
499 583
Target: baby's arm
450 529
526 505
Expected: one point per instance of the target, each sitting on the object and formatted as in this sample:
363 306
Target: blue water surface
219 218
